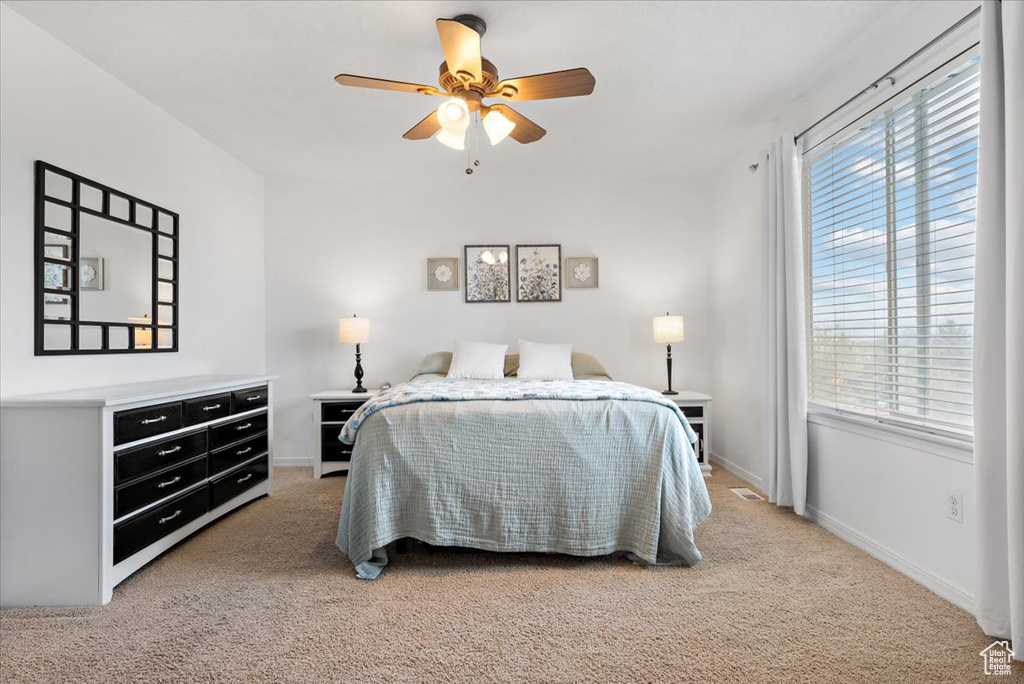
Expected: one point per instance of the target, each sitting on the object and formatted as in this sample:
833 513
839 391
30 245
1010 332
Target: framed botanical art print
581 272
487 273
443 273
538 273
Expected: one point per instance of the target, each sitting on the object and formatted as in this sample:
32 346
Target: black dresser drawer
237 453
338 413
141 461
205 409
236 430
231 485
146 422
132 497
139 532
248 399
692 411
336 451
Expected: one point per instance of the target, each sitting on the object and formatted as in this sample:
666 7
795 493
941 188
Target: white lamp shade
354 330
497 126
456 141
668 329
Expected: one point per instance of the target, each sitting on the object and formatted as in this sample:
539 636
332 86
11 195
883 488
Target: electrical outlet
955 505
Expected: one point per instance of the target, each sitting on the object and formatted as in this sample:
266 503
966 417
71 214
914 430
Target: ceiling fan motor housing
473 92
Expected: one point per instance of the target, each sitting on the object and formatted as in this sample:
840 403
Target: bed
587 467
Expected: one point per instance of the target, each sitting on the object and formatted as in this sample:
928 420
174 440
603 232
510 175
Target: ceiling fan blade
461 46
426 128
525 131
384 84
568 83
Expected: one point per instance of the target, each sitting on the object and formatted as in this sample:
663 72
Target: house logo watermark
998 658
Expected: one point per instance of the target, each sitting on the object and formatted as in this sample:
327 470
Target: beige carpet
264 596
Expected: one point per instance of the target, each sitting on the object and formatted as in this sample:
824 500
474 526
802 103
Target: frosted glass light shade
668 329
456 141
497 126
354 330
453 115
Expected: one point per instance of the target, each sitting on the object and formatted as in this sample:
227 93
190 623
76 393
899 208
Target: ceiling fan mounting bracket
472 21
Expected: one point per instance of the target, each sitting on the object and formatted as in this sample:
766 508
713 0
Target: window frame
950 444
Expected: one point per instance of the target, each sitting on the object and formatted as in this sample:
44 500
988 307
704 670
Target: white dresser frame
57 488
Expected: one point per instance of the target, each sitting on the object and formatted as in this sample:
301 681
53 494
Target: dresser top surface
115 395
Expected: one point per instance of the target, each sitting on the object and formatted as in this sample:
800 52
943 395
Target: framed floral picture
443 273
487 273
581 272
538 273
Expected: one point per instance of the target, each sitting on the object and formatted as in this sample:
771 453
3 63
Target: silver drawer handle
244 451
170 517
169 482
166 452
244 427
147 421
255 397
211 408
247 477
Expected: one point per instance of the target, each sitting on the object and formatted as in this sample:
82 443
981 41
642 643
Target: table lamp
355 331
668 329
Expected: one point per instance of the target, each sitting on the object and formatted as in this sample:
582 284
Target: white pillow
478 361
545 361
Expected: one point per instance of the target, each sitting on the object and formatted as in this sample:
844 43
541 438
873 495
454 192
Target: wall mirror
106 269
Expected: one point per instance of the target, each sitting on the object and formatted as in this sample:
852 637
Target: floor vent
745 493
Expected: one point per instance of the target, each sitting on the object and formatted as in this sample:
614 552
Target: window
889 210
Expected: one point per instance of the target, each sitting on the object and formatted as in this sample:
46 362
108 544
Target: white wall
887 497
58 107
338 247
738 275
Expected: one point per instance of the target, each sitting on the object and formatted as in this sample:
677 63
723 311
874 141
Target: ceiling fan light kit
466 79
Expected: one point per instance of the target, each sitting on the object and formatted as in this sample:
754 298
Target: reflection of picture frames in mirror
56 276
90 273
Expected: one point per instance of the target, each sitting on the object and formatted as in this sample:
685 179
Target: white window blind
889 210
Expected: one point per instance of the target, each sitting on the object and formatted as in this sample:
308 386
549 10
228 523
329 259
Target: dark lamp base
670 392
358 390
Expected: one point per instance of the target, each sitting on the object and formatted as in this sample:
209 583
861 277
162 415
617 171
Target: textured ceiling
681 87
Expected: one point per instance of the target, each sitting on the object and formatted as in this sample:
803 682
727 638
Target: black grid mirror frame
160 282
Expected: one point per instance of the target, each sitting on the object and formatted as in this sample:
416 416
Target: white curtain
999 327
787 366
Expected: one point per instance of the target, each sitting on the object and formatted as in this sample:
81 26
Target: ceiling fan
467 78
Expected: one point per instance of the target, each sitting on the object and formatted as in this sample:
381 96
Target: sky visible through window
889 211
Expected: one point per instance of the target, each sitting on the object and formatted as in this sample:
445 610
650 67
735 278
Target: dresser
330 411
697 409
96 483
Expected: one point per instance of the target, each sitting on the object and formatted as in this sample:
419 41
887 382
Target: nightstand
330 411
697 409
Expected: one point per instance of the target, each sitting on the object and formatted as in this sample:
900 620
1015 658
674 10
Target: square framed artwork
90 273
581 272
443 273
538 273
488 273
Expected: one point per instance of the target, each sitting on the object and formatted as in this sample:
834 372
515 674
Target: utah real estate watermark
998 658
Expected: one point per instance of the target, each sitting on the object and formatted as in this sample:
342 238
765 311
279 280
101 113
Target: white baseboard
293 462
738 471
927 578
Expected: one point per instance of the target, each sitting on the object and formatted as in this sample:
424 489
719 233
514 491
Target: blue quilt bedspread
577 467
